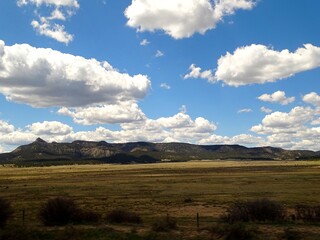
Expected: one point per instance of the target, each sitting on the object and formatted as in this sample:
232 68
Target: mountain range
42 152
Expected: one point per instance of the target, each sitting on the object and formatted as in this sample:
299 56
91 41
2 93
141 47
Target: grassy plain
153 190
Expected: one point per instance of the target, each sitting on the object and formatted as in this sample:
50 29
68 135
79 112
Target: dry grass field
154 190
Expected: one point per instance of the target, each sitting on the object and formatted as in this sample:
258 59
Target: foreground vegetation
165 201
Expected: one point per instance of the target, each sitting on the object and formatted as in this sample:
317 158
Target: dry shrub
257 210
235 231
308 213
61 211
123 216
5 212
164 224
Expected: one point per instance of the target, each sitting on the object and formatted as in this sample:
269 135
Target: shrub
58 211
61 211
164 224
86 216
236 231
291 234
5 212
256 210
308 213
188 200
123 216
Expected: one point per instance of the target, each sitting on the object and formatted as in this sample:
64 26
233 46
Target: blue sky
206 72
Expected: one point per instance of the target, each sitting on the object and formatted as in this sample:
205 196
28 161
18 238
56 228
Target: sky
197 71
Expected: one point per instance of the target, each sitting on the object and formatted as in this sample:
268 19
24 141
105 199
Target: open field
180 189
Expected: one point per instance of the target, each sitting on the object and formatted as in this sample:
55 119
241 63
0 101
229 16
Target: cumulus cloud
47 25
277 121
245 110
119 113
50 128
312 98
181 18
5 127
277 97
291 129
241 139
258 64
196 72
45 78
48 78
179 127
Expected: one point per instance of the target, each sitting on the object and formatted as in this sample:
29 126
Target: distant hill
41 152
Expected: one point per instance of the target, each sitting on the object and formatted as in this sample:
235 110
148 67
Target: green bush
5 212
257 210
123 216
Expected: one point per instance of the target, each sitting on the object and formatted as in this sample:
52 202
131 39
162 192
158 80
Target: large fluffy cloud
47 78
258 64
277 97
50 128
181 18
116 113
294 129
282 121
47 25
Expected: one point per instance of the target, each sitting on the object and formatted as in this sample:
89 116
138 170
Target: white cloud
312 98
277 97
281 121
165 86
265 109
180 127
291 130
119 113
57 3
245 110
46 25
144 42
195 72
50 128
316 122
181 18
2 150
258 64
5 127
46 78
242 139
159 54
55 31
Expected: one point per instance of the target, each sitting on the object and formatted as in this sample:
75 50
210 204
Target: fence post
23 217
198 221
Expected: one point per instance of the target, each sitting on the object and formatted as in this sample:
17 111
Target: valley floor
180 190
